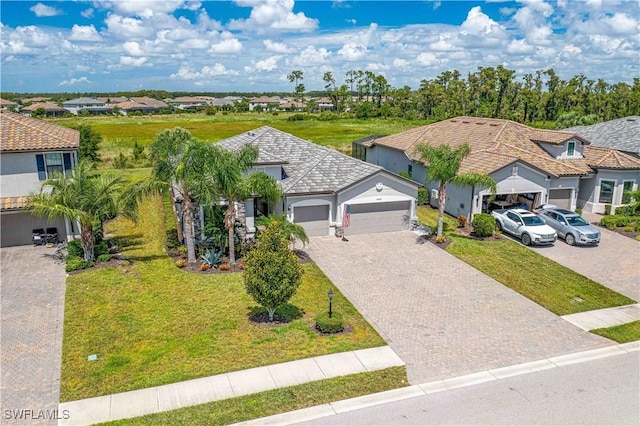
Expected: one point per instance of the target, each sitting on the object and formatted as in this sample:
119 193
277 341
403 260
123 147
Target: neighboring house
32 150
324 104
50 109
187 102
92 105
266 103
223 103
113 100
150 102
35 100
531 166
292 106
622 134
318 183
5 104
128 107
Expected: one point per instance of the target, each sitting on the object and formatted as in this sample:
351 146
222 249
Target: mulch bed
466 231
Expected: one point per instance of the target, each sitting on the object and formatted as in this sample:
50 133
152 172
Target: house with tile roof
5 104
50 109
622 134
31 151
531 166
321 186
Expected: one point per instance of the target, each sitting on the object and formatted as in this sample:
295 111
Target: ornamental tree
272 273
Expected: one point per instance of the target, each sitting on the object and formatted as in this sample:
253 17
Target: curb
329 409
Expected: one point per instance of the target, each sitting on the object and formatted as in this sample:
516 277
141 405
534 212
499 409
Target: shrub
324 324
205 267
462 221
295 117
628 228
328 116
625 211
74 249
483 224
75 263
405 175
423 196
182 250
579 210
181 263
441 239
607 209
224 266
637 226
611 222
101 248
104 257
212 257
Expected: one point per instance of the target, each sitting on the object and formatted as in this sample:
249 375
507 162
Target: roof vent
481 123
493 124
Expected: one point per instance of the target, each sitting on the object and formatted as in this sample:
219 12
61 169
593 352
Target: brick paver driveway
32 291
613 263
443 317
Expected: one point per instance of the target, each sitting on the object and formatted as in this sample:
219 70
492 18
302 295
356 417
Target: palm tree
80 196
178 163
226 177
292 231
443 166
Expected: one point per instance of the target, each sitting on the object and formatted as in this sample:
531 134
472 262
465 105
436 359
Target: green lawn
277 401
621 333
120 133
538 278
151 323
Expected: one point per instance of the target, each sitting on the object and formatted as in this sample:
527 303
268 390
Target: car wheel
526 239
570 239
498 225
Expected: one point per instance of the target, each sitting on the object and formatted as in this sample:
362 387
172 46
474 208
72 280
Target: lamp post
330 300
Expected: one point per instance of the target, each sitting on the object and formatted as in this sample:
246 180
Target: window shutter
42 175
67 162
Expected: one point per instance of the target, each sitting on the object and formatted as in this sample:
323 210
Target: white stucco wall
19 174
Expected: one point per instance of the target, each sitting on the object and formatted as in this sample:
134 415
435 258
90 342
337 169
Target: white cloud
268 64
520 47
42 10
132 48
146 8
571 50
478 23
72 81
311 56
276 47
228 46
84 33
127 28
82 68
352 51
427 59
131 61
400 63
621 23
88 13
273 16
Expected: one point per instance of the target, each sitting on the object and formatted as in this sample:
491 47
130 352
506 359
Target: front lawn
277 401
620 333
555 287
150 323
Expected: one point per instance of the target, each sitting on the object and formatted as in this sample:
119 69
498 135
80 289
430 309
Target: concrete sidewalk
603 318
192 392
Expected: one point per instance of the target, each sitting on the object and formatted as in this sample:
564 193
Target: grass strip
277 401
151 323
623 333
551 285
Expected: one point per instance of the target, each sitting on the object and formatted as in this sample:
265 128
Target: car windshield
577 221
532 221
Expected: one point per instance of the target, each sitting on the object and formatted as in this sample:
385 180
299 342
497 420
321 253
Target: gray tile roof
309 168
622 134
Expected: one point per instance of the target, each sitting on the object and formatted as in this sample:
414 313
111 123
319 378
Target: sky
252 45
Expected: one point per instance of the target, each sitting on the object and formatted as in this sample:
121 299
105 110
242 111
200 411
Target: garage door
379 217
560 197
314 219
17 227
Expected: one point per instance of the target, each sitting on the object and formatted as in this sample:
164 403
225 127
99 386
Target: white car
525 225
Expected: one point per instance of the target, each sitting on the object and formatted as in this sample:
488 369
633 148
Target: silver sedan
570 226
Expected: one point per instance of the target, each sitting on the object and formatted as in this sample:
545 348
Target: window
358 151
51 163
410 170
606 191
627 189
571 149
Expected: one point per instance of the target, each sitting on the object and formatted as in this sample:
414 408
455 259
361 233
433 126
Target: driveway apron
614 263
441 316
32 291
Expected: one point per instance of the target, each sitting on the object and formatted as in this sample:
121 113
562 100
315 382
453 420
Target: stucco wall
19 174
17 227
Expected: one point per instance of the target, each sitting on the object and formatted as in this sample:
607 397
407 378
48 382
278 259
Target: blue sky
251 45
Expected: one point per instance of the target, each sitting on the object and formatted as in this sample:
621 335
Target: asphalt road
600 392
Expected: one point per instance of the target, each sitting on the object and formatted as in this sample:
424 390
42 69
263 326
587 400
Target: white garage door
314 219
560 197
379 217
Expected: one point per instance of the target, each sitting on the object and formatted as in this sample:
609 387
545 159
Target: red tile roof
20 133
13 203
